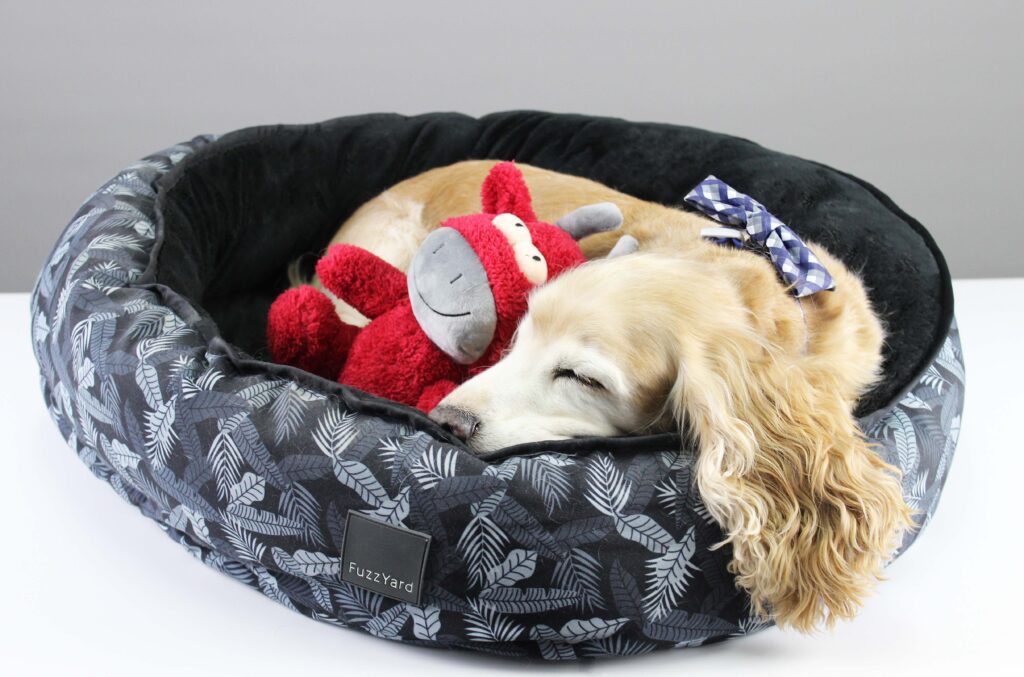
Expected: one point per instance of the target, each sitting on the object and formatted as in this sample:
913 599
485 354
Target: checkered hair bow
745 218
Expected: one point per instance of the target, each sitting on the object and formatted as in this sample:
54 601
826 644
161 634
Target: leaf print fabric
550 555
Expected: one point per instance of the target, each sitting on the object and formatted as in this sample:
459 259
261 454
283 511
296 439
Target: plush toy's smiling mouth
435 310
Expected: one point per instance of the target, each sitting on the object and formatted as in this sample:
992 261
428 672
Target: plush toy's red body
397 355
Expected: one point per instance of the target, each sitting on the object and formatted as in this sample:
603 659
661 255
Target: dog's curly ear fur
810 511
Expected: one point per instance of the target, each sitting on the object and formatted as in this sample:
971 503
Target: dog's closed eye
572 374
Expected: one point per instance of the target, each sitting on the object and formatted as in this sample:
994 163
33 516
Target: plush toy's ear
505 191
626 245
589 219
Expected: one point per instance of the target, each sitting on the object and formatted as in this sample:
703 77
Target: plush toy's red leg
304 330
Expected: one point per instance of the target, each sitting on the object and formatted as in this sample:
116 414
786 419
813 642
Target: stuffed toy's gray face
451 296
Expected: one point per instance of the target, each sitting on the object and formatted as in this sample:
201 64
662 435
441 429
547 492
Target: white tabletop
91 586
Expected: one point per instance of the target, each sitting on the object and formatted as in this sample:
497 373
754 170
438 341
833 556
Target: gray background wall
924 99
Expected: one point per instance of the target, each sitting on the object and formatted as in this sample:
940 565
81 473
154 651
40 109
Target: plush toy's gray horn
627 244
590 219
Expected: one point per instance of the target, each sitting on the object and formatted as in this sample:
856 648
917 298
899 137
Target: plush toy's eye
513 228
531 262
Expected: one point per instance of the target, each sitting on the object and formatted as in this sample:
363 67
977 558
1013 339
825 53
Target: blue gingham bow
797 265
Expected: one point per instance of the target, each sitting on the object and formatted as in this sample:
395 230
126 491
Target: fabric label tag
384 558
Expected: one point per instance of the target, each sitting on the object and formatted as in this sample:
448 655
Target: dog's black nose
458 422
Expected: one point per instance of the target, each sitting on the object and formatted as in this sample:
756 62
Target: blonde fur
706 339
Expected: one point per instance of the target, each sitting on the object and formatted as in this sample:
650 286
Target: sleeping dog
696 337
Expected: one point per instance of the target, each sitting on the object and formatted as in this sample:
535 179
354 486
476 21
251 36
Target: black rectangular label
384 558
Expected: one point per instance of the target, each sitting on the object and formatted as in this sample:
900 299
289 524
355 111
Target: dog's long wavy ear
810 511
505 191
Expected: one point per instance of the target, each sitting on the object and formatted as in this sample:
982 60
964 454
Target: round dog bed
148 325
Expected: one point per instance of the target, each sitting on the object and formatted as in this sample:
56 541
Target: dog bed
148 325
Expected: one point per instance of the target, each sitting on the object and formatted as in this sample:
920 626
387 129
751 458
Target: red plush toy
451 316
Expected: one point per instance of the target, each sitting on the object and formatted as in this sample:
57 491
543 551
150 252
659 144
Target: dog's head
648 343
596 355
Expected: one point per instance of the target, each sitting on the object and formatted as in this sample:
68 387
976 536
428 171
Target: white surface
91 586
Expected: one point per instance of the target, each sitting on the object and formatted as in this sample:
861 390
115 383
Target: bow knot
745 217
